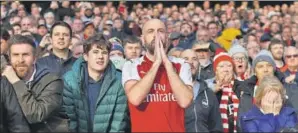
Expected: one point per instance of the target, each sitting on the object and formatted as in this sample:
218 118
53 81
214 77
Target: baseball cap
174 35
265 38
87 23
198 46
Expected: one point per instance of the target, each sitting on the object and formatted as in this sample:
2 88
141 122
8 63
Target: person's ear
143 40
85 56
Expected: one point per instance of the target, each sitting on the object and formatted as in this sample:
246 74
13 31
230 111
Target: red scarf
228 93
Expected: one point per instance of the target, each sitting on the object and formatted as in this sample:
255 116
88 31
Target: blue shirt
93 90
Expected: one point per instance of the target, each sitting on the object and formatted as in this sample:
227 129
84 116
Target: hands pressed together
159 51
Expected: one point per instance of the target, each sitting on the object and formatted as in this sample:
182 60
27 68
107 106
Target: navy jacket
203 114
187 42
56 64
255 121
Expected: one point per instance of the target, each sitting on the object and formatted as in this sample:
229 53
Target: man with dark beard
39 92
276 47
187 36
158 88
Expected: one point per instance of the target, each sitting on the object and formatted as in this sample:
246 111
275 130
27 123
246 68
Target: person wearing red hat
224 84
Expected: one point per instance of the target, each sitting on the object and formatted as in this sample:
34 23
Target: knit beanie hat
264 55
237 49
117 47
221 55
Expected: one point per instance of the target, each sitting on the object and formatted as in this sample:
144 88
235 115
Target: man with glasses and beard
39 92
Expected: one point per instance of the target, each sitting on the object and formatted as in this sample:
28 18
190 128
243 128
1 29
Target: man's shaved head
151 29
151 23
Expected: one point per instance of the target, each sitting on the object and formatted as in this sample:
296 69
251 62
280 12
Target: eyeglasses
239 58
291 56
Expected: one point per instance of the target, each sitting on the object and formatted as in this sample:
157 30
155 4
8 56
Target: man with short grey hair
50 19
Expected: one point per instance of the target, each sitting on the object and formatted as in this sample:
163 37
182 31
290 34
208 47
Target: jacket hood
40 72
69 56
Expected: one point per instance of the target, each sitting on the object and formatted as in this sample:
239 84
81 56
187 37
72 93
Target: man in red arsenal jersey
158 87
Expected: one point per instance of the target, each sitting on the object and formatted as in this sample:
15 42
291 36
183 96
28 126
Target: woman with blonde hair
269 114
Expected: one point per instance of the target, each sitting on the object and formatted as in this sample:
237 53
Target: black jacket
206 72
11 116
62 12
56 64
203 114
119 34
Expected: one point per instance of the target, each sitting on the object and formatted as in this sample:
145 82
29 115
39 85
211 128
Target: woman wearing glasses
240 59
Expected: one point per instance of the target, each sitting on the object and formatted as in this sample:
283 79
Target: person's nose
99 56
21 59
134 50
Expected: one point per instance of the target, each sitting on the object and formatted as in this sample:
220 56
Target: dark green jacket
111 114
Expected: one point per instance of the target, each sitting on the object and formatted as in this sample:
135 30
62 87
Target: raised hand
227 79
277 104
290 78
268 102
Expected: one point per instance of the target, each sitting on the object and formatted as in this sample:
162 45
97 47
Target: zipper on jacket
195 112
196 118
46 124
84 97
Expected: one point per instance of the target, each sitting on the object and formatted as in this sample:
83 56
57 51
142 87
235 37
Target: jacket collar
69 56
108 78
207 64
32 76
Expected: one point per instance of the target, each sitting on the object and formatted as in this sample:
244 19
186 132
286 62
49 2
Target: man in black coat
11 116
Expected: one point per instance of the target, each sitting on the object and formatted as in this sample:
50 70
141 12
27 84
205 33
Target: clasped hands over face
159 50
271 103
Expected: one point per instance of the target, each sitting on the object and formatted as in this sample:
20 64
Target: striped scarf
228 93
